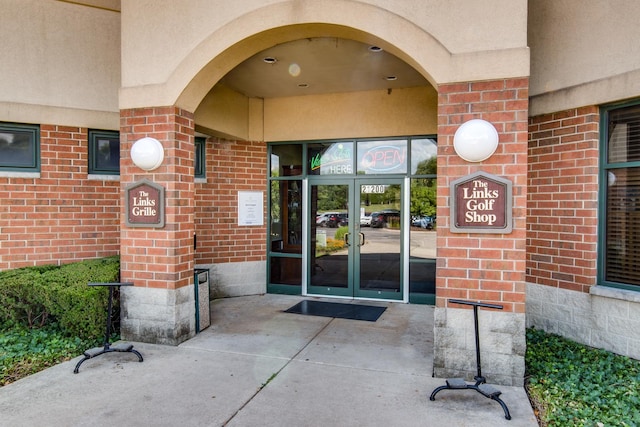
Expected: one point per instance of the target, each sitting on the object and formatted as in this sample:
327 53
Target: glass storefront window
382 157
422 277
367 165
286 271
423 217
423 156
286 160
331 158
275 217
286 216
422 238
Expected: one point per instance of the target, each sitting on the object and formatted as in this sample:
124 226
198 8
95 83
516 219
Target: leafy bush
36 296
341 232
393 222
26 351
23 299
570 384
80 309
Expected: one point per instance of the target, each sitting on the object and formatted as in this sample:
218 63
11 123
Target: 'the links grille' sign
145 204
481 203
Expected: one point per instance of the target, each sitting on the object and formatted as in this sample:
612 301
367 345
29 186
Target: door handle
346 239
362 241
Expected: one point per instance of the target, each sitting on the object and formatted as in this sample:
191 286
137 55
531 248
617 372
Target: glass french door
355 244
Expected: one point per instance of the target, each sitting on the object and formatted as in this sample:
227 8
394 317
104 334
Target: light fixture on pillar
147 153
475 140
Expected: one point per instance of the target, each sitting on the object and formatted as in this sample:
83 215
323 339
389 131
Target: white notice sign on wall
250 208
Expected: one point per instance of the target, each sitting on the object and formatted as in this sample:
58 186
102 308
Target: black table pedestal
107 347
480 384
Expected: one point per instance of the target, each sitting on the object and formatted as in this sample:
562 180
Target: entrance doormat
369 313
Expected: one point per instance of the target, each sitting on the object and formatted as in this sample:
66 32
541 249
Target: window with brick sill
19 147
199 162
620 197
104 152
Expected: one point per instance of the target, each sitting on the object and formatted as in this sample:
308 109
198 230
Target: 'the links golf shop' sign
481 203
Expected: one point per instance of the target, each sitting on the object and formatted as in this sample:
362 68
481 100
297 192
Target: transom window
19 147
620 207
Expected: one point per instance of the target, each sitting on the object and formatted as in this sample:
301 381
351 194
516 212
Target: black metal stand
480 384
107 348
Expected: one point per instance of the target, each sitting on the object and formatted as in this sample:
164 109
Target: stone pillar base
238 279
502 345
158 316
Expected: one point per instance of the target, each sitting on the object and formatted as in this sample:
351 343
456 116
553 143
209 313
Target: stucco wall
583 53
61 63
377 113
160 34
167 57
410 111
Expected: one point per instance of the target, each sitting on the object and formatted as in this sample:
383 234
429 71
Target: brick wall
563 199
63 216
231 166
160 257
487 267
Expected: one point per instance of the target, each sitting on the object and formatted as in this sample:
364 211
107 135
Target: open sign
384 158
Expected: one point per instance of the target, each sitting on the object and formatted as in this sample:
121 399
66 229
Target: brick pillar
481 266
159 261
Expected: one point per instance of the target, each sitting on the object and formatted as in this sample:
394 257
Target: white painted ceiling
319 66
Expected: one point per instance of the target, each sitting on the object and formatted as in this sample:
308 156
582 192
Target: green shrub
393 222
574 385
36 296
23 298
341 232
81 310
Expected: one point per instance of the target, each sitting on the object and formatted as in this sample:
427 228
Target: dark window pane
286 271
104 152
19 147
199 161
623 226
621 248
624 135
286 160
107 154
422 277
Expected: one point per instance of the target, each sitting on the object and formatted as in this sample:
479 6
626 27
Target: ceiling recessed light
391 78
270 60
375 48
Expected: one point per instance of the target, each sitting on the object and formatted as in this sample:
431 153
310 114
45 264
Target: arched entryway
315 88
182 92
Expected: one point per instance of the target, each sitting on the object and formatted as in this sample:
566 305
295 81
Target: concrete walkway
258 366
